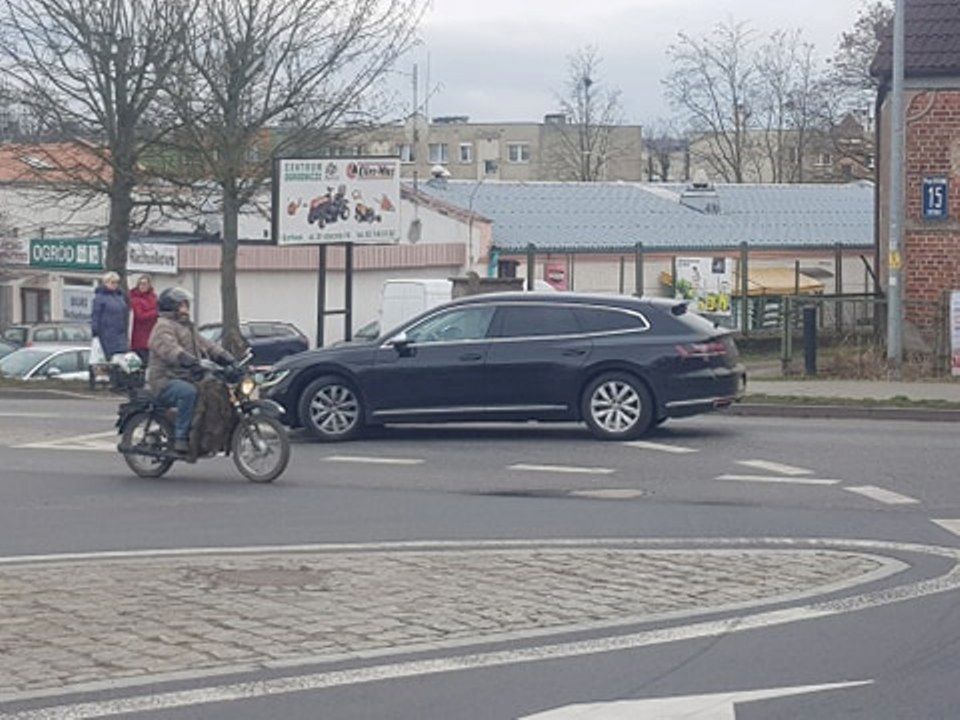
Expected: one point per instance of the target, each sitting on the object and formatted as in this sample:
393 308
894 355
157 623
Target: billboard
336 200
707 283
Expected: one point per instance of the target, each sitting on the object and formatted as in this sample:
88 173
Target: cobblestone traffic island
79 623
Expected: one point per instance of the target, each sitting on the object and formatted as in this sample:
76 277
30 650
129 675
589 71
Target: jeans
183 395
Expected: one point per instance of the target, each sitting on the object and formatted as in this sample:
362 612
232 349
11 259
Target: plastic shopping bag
97 356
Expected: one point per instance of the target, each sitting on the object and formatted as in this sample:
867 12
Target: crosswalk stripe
949 525
370 460
882 495
775 467
569 469
661 447
778 479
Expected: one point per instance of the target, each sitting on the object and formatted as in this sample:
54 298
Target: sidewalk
856 389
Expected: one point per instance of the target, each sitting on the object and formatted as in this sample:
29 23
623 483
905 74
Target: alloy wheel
616 406
334 410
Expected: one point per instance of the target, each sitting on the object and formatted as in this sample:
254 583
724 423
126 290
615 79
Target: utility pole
896 200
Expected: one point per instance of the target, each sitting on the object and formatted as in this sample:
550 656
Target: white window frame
441 156
407 153
824 159
523 156
469 154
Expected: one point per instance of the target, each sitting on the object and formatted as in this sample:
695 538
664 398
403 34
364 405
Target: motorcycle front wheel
149 436
260 448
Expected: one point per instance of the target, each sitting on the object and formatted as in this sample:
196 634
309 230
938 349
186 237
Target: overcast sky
505 59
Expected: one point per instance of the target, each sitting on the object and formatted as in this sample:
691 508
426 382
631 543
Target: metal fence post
638 270
838 285
744 289
531 265
785 335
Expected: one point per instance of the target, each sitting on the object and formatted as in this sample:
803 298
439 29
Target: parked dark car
269 340
621 365
27 335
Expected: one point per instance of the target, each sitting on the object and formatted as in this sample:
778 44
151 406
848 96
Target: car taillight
701 350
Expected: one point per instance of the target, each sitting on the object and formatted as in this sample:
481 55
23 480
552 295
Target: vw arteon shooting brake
621 365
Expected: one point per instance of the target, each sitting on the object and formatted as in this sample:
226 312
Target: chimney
702 197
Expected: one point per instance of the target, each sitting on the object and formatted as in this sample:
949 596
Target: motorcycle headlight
274 377
247 385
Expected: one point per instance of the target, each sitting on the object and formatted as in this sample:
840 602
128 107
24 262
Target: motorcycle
258 443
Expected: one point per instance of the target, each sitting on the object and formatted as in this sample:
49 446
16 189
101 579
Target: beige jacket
170 337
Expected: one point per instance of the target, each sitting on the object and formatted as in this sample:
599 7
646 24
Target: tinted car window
15 335
212 333
461 324
68 362
19 363
73 333
536 320
45 335
604 320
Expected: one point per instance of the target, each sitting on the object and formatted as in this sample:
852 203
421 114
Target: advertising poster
706 283
342 200
152 258
955 333
77 304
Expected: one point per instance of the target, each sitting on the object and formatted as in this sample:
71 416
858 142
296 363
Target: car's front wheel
331 409
617 406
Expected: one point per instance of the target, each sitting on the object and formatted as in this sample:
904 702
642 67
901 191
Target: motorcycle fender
270 408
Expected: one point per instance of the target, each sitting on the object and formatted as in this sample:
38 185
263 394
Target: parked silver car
60 362
62 333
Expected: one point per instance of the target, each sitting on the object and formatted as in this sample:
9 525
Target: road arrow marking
775 467
716 706
778 479
949 525
882 495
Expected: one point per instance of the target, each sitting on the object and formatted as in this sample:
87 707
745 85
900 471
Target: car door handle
574 352
471 357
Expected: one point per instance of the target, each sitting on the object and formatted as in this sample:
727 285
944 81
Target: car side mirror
401 343
53 372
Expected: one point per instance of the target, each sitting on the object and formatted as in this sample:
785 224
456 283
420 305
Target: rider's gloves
225 359
187 360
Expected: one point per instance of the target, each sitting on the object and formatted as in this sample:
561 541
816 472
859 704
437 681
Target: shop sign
14 251
77 303
151 258
67 254
707 283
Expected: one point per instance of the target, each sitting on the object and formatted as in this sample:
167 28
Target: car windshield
19 363
211 333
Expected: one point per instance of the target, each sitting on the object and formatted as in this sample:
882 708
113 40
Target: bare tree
584 143
663 146
90 72
713 83
270 78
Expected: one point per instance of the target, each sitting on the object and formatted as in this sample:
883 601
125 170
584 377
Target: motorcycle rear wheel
260 448
147 433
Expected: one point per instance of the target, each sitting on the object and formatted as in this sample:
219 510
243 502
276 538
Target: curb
48 394
843 412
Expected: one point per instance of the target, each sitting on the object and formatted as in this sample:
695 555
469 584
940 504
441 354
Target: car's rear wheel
617 406
331 409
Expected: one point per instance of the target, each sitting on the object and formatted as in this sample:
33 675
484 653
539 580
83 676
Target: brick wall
932 248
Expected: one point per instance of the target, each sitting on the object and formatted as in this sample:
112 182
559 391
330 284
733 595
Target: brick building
931 247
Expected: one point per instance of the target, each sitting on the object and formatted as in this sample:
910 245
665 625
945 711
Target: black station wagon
621 365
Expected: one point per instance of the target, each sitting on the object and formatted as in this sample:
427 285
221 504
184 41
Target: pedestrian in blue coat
111 316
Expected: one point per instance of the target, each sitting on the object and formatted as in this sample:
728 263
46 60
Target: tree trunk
118 226
230 313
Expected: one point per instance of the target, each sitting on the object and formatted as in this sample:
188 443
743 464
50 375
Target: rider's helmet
171 299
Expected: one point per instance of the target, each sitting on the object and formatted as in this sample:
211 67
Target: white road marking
564 469
715 706
609 494
882 495
93 441
949 525
662 447
775 467
779 479
370 460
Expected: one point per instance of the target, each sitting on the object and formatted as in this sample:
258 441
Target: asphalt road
747 485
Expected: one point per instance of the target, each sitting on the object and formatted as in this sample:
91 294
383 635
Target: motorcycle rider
176 349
